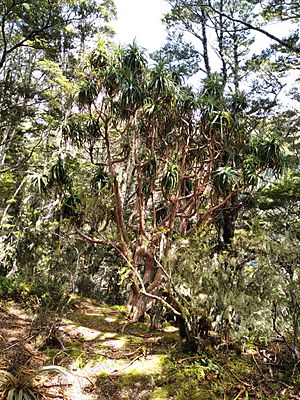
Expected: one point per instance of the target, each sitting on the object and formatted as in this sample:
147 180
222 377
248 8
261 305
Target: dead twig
91 382
238 379
132 353
239 394
27 338
256 363
52 385
287 386
54 395
127 324
188 358
128 365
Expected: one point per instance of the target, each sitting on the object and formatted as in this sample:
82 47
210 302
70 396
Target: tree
31 33
168 160
195 23
32 24
270 10
279 206
128 167
38 64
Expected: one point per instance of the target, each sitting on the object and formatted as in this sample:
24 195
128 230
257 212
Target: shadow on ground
111 359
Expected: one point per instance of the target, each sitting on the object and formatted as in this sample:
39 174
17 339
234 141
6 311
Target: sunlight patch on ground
88 334
69 322
151 365
110 319
170 328
93 314
108 335
98 368
159 394
75 388
119 343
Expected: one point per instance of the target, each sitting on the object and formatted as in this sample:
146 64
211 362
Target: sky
140 20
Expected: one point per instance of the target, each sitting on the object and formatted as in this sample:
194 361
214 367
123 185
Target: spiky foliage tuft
224 178
21 387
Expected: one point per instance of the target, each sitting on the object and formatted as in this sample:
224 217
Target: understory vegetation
149 203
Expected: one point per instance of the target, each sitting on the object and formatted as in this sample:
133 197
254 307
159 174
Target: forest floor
111 359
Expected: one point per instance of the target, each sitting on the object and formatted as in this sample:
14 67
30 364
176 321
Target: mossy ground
111 359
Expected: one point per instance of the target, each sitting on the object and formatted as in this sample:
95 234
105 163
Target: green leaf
100 180
71 207
26 7
49 368
87 92
20 395
8 376
29 395
11 394
224 178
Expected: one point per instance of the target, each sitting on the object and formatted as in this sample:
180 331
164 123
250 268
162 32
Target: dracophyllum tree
166 159
221 46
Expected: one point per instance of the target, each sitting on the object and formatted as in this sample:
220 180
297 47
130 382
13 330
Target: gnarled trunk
140 300
138 305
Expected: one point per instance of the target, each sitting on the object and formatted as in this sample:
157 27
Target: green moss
102 375
206 376
75 349
170 338
122 309
82 317
196 394
95 321
130 379
182 388
96 358
159 394
52 354
139 327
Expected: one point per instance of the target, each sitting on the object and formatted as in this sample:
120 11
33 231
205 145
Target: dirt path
108 358
17 347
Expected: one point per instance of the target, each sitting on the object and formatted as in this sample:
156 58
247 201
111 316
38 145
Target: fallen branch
91 382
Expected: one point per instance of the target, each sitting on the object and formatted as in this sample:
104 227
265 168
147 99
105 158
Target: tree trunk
138 305
148 281
230 214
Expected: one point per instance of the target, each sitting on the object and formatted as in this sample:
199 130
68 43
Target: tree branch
283 43
92 239
3 171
